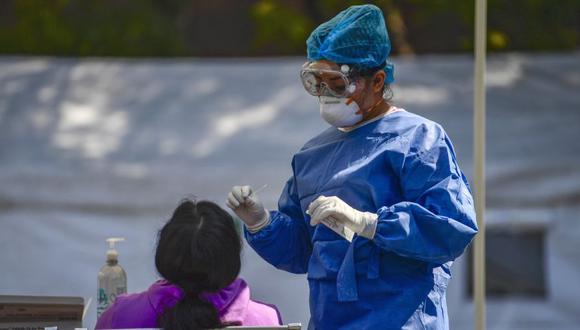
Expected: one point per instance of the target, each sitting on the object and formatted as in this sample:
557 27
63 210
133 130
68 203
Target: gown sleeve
105 321
435 222
285 242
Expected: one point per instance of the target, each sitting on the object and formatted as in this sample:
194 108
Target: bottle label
103 302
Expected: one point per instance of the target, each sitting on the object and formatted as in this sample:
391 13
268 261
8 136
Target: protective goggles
323 80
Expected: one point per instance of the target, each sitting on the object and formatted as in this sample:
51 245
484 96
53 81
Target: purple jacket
141 310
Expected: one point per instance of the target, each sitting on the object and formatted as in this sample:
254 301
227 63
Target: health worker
380 176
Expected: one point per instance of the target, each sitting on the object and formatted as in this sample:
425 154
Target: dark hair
199 251
367 74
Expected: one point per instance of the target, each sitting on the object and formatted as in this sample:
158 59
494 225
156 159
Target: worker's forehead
323 65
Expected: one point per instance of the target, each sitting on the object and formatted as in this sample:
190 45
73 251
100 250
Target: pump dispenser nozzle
112 253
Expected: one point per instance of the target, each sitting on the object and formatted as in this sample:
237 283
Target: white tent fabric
97 148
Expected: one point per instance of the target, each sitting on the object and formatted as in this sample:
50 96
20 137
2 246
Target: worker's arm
285 241
436 221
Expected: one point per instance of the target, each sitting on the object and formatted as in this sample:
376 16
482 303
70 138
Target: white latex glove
248 207
362 223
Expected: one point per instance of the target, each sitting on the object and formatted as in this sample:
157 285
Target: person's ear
378 81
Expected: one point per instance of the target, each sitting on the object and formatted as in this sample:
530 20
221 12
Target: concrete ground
95 148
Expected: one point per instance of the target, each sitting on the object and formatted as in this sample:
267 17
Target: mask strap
373 107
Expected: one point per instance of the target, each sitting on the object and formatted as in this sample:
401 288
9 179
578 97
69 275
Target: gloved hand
248 207
362 223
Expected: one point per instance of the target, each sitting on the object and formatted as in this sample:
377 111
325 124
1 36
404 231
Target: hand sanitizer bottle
112 278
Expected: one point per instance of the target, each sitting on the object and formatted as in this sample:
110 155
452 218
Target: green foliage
280 28
512 24
447 25
89 27
270 27
537 24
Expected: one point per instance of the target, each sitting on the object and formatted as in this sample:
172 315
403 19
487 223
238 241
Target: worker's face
367 90
325 78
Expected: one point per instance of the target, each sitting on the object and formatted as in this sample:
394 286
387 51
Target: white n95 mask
339 112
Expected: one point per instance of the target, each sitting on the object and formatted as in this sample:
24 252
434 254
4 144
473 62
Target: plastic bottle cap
112 253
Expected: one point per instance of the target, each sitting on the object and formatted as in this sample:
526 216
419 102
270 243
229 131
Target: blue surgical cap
356 36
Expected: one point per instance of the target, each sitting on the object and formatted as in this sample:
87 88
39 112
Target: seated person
198 257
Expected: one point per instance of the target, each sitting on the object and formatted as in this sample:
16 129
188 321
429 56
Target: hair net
356 36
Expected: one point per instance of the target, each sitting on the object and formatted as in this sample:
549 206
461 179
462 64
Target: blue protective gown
403 168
